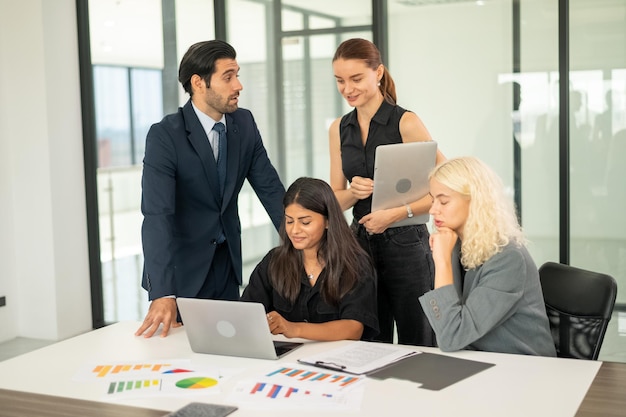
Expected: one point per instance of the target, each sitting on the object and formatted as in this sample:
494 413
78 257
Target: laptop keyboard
284 347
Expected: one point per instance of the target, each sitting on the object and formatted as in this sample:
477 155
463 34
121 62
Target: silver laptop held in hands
231 328
401 176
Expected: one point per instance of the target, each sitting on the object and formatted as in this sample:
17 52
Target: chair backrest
579 304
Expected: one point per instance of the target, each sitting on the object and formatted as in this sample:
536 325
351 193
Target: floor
19 346
613 347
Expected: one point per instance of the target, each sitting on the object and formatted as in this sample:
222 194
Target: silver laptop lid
401 176
231 328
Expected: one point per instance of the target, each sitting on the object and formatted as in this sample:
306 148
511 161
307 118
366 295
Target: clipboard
359 357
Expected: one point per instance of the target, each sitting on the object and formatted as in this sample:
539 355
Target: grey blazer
497 307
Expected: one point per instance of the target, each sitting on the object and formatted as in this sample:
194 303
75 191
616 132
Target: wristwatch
409 212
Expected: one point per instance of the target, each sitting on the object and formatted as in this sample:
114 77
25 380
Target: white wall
8 283
43 243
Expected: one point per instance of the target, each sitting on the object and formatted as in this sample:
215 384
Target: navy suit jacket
181 198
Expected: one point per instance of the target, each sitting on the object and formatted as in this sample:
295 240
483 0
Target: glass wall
598 137
539 126
453 66
458 73
289 86
132 70
127 80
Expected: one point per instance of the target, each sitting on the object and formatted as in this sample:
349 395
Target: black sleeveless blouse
358 160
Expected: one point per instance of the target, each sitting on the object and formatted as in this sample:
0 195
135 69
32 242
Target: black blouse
358 160
359 304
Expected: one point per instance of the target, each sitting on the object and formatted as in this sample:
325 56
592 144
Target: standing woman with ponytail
401 255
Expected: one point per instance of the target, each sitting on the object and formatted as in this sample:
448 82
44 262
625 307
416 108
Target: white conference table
516 386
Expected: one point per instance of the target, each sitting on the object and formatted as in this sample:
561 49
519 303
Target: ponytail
388 87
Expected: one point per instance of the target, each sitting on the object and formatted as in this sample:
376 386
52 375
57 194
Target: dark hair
357 48
200 59
339 251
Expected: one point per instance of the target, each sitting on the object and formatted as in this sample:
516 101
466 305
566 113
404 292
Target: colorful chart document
292 386
144 379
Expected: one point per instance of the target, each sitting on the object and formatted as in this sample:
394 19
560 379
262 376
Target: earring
378 84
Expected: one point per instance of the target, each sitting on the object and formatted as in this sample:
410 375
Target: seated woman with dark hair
318 283
487 292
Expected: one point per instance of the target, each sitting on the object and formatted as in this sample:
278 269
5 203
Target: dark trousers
405 269
221 281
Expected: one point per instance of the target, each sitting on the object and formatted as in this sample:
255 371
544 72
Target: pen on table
329 365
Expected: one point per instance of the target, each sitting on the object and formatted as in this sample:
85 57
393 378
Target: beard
221 104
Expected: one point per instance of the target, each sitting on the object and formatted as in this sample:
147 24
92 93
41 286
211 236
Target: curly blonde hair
491 222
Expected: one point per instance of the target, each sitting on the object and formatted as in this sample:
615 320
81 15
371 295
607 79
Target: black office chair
579 304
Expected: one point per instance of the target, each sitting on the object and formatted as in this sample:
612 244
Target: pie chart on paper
196 383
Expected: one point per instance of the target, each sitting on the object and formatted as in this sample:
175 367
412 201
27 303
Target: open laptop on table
231 328
401 176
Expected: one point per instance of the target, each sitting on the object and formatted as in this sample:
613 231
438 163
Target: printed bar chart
277 391
117 387
312 376
103 371
299 387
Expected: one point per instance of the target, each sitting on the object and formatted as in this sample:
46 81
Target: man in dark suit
192 175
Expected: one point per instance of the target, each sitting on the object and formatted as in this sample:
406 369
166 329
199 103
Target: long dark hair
339 251
200 59
357 48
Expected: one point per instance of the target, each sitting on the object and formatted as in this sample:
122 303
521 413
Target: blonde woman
487 293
